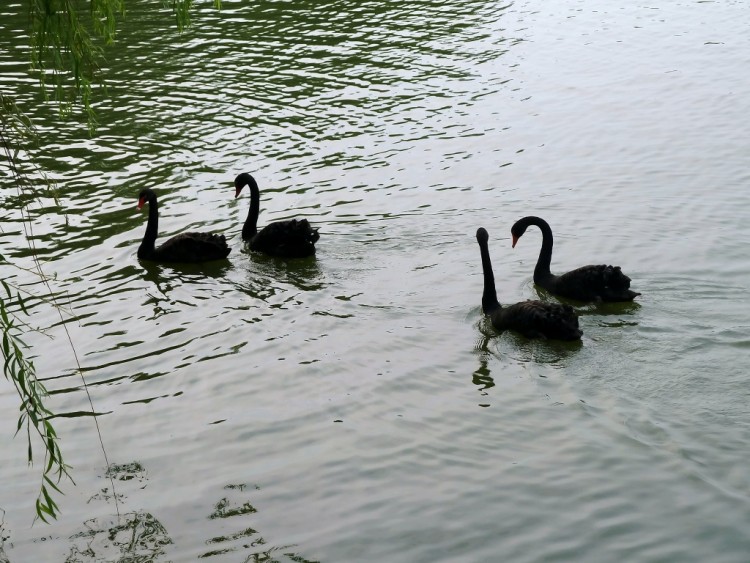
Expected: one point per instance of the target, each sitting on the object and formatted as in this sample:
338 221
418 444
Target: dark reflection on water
140 536
513 349
625 308
514 346
481 376
77 414
555 353
266 274
245 541
166 276
134 536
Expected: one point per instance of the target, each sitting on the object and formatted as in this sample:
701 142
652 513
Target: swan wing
536 319
293 238
193 247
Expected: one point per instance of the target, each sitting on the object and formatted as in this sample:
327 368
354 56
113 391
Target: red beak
515 240
141 202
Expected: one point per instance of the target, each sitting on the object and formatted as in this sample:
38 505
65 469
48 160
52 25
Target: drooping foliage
66 40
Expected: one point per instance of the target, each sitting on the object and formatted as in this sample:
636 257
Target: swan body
294 238
185 247
596 283
533 319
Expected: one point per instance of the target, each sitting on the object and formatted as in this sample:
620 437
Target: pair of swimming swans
538 319
294 238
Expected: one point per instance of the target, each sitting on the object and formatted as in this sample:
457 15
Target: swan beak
140 203
515 240
237 192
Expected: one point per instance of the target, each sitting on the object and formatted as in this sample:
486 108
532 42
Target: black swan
588 283
294 238
185 247
533 319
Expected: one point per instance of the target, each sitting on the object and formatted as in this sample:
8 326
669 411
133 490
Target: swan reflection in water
168 278
267 276
481 376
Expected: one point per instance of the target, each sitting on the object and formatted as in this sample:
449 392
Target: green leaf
50 503
6 345
41 509
52 484
22 304
7 367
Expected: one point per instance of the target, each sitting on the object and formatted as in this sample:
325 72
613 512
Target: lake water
355 406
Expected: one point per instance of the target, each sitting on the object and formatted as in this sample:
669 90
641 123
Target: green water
355 406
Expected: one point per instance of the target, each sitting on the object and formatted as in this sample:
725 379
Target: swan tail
617 285
595 283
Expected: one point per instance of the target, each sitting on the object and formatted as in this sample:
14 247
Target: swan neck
542 268
152 228
250 228
489 296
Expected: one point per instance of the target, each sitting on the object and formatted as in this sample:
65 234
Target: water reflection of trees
234 504
139 537
3 538
136 537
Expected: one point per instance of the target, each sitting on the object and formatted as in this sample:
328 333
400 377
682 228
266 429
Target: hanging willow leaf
66 50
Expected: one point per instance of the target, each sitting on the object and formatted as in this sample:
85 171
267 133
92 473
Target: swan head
146 196
517 231
482 235
520 226
243 180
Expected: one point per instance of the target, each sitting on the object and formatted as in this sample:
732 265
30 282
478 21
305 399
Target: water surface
355 406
